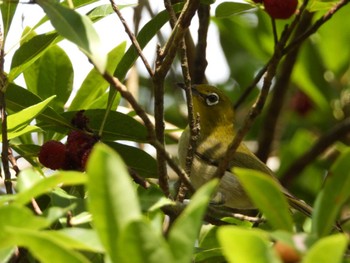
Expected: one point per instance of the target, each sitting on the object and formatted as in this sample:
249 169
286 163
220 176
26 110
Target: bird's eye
212 99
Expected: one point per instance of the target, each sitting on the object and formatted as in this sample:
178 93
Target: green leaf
8 10
44 185
18 217
94 85
332 197
78 29
30 51
45 248
327 249
17 123
6 253
118 126
185 229
136 159
78 238
102 11
227 9
140 243
51 74
18 98
267 195
112 198
22 131
246 245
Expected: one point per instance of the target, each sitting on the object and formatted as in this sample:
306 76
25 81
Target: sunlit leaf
246 245
54 252
185 229
78 29
94 85
226 9
266 194
112 198
51 74
327 249
18 98
29 52
46 184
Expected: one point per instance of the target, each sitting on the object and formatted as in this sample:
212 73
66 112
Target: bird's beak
195 92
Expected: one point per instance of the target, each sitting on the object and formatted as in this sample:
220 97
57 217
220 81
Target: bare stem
132 38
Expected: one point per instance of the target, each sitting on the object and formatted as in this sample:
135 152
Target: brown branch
164 61
200 62
280 88
132 38
327 139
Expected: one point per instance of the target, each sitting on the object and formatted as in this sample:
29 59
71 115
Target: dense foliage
112 199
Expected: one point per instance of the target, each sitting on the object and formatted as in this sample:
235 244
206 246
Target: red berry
52 154
258 1
78 143
280 9
85 158
301 103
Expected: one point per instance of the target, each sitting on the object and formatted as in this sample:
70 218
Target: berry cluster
72 155
279 9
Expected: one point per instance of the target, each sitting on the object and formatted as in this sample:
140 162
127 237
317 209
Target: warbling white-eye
217 130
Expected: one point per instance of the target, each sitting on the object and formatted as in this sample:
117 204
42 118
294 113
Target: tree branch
132 38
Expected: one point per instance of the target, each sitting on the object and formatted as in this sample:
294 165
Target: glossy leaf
332 197
78 29
51 74
102 11
18 217
45 185
118 126
20 119
54 252
136 159
18 98
327 249
141 244
8 10
226 9
78 238
266 194
94 85
29 52
185 229
246 245
112 198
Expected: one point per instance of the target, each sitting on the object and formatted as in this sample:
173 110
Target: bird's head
213 106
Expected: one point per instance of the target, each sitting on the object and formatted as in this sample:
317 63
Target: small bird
217 131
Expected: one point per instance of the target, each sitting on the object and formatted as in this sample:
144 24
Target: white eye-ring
212 99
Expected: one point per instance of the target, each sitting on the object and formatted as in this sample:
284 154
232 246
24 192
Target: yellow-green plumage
217 131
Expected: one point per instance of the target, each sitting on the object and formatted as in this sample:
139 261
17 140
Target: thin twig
327 139
280 89
132 38
36 207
